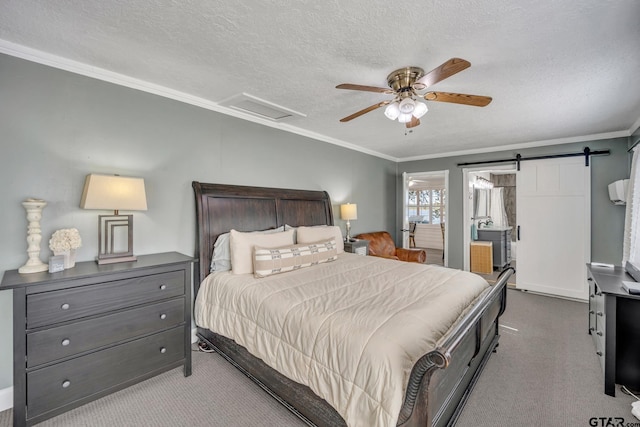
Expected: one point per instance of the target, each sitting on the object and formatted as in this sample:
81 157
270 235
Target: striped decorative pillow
268 261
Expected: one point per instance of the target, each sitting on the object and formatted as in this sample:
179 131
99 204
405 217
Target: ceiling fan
406 83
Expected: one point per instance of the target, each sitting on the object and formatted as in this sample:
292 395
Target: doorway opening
425 214
489 214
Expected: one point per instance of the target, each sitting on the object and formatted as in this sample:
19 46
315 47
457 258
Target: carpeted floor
545 373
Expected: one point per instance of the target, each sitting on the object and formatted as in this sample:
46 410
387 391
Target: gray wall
607 220
56 127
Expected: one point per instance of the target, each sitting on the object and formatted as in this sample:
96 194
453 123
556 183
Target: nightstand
91 330
357 246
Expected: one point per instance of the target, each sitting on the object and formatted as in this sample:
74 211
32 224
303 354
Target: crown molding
532 144
83 69
44 58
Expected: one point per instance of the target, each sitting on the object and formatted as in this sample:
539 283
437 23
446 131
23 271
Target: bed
437 384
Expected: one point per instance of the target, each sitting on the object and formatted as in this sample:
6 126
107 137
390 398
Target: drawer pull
599 353
600 313
592 312
599 333
163 287
591 329
65 306
66 342
66 383
163 350
163 316
592 296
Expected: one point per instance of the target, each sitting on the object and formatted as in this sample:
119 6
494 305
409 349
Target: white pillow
221 258
242 244
268 261
321 233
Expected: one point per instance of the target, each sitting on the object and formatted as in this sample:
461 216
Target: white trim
6 398
80 68
405 199
405 211
194 338
466 214
61 63
532 144
634 127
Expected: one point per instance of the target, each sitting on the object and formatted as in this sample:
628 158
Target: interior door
554 226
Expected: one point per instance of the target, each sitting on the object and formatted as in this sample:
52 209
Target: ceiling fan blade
364 88
413 123
458 98
448 69
365 111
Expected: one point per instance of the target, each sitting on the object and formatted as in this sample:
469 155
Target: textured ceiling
557 70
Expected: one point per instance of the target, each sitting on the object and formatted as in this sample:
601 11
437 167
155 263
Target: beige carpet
545 373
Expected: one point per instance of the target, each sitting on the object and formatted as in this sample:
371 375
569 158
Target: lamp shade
404 118
407 105
392 111
113 192
420 110
349 211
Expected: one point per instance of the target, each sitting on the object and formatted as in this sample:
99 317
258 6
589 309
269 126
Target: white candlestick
34 236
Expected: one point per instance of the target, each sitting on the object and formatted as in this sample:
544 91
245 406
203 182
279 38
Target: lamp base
115 239
114 260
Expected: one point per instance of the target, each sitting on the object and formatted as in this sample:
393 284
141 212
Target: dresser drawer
58 306
598 340
600 314
58 385
69 339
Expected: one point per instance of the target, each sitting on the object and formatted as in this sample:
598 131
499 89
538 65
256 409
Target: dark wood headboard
220 207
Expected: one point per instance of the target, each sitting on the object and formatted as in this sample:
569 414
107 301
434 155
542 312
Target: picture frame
56 263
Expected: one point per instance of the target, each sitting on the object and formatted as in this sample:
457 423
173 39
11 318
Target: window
428 203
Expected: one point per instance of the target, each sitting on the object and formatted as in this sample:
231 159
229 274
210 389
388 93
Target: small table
357 246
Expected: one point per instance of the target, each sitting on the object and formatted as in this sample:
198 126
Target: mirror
481 202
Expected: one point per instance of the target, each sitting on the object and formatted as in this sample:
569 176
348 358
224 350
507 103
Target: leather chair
381 244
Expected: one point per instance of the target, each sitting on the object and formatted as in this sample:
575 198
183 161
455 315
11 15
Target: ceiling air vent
255 106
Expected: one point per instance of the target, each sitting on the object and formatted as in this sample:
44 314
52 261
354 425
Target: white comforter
350 329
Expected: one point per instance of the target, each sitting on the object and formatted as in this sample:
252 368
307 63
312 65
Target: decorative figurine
34 236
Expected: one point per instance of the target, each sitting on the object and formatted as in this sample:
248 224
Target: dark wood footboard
442 380
438 387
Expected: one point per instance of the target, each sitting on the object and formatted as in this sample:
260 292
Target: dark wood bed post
441 380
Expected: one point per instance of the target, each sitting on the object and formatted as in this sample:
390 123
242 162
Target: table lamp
349 211
114 192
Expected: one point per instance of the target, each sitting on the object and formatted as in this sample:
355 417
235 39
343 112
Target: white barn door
553 210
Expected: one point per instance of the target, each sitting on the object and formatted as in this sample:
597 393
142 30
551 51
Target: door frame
466 209
405 200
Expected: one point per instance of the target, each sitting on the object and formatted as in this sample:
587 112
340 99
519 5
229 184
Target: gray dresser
614 325
88 331
501 238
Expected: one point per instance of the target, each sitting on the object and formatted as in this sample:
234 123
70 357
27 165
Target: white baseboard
6 398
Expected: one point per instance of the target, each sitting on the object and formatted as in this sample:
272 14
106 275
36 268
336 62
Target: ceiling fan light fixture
407 106
404 117
392 111
420 110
